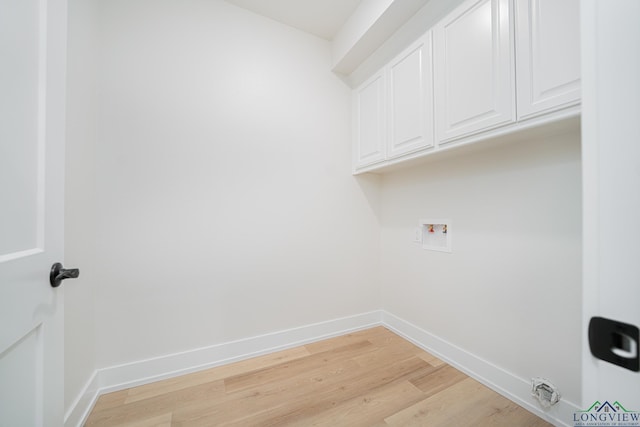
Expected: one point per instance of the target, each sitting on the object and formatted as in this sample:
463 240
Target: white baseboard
507 384
146 371
119 377
81 407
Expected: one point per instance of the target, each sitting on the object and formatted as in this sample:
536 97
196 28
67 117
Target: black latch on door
614 342
58 274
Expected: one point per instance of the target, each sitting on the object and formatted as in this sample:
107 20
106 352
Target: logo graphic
606 414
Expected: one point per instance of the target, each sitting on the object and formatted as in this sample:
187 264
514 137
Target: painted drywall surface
510 292
79 202
225 203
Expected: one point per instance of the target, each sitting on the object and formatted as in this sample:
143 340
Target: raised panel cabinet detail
474 69
410 99
547 55
369 126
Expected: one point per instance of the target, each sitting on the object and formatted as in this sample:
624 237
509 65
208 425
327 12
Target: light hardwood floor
367 378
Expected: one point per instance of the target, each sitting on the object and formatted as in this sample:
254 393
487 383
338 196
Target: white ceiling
320 17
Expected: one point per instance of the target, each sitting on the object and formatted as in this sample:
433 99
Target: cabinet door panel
411 99
548 55
369 124
474 73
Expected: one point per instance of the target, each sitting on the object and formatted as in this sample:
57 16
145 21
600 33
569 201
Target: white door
547 55
474 69
611 167
411 99
32 84
369 126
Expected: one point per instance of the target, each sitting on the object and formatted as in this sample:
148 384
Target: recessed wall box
436 234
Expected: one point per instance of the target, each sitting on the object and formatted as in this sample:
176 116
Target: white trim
84 402
557 122
140 372
119 377
21 254
590 193
505 383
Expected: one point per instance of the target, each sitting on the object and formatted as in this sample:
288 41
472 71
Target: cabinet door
474 71
548 55
411 99
369 126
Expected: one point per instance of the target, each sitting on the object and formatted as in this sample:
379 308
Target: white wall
209 198
79 202
510 293
225 206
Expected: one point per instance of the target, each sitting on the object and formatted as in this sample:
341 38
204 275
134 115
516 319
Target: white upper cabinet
489 68
548 55
410 99
474 72
369 122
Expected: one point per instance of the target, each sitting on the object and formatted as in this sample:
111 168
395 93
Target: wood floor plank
342 340
464 404
385 338
158 405
385 354
298 412
163 420
431 359
294 367
260 362
367 378
159 388
370 408
174 384
111 400
263 397
439 379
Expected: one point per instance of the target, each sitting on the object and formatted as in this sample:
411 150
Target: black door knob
58 274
